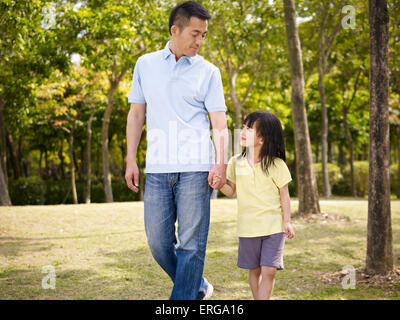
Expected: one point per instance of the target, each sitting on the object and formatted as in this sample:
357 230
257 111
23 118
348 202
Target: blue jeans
185 197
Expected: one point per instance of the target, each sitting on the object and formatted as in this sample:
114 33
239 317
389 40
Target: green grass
99 251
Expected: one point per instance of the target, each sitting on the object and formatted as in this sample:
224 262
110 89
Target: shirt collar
167 52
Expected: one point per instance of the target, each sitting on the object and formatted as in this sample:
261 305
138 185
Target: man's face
189 40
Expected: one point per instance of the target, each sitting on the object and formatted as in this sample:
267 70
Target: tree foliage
43 95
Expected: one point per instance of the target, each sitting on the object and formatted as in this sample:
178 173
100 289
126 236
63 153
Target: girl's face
249 137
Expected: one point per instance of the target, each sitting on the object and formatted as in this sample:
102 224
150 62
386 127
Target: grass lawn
99 251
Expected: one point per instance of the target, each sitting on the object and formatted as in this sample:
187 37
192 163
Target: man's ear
174 29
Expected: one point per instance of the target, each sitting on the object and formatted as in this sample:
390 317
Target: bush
360 177
342 188
34 190
394 181
293 188
119 189
335 176
27 190
121 192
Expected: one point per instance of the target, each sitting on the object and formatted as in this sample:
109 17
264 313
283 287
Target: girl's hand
216 180
288 230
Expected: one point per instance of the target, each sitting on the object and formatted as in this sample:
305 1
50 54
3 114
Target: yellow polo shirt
258 198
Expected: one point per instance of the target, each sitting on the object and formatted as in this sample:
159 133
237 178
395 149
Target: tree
4 196
350 74
379 258
325 45
327 15
306 182
29 53
394 62
65 101
244 35
115 34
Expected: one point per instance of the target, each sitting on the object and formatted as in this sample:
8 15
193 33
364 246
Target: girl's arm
285 204
228 189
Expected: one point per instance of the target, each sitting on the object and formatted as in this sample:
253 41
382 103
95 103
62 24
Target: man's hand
134 126
132 172
221 141
216 180
217 176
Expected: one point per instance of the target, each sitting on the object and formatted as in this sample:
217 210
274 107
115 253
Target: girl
260 178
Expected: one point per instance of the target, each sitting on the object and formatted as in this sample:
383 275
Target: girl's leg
254 281
267 282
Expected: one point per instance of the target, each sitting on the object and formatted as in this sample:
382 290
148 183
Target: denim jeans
182 197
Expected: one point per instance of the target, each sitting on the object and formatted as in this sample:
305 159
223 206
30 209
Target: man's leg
159 218
192 196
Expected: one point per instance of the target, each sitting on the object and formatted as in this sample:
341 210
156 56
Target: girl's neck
253 155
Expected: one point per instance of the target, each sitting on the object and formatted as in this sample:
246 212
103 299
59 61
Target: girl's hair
268 127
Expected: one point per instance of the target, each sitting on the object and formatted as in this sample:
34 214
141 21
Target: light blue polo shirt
178 96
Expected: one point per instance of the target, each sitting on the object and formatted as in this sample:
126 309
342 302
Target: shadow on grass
20 284
15 246
318 231
140 275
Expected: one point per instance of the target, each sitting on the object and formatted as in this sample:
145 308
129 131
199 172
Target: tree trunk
379 259
21 159
324 133
235 101
78 174
114 80
351 151
104 140
306 182
330 152
72 166
61 157
398 162
350 142
87 162
3 143
15 161
341 157
4 196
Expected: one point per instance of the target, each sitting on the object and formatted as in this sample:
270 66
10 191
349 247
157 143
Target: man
177 90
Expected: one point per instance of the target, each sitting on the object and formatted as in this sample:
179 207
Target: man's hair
181 13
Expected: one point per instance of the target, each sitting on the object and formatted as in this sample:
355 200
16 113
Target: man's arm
221 141
134 128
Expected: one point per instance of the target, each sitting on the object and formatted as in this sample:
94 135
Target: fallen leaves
390 279
321 217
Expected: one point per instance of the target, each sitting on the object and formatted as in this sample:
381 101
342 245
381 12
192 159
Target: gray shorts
261 251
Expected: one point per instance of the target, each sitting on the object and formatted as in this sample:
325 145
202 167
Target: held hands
216 181
217 177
